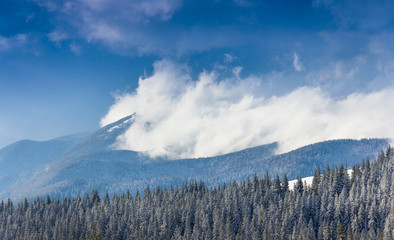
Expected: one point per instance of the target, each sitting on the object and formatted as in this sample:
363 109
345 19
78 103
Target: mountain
27 154
19 158
91 162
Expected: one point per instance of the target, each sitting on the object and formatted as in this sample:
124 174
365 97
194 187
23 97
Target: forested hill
335 206
82 169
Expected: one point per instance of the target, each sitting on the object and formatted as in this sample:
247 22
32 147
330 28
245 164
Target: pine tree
95 234
316 181
299 186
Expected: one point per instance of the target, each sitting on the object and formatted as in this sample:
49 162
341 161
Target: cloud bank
178 117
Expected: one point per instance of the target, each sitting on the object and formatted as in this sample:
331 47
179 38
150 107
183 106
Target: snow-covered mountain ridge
76 166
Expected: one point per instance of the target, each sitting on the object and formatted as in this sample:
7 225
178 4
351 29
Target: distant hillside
300 162
26 154
20 158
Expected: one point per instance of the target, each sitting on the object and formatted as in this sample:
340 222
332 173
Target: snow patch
127 121
308 180
113 128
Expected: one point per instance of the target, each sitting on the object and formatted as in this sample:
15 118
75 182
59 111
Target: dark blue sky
62 61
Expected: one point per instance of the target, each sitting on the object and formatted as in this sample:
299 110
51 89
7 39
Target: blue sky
64 63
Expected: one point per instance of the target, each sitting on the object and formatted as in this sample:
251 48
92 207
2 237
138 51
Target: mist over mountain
178 115
76 164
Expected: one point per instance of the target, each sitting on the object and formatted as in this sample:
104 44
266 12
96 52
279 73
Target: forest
334 206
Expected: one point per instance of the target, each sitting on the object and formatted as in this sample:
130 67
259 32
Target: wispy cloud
364 14
176 116
9 43
75 48
107 21
228 58
101 31
174 28
57 36
297 63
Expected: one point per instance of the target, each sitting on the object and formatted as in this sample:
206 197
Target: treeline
335 206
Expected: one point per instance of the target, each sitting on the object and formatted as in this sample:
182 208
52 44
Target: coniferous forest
335 206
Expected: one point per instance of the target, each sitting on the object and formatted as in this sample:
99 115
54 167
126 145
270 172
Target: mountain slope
27 154
335 152
19 159
74 167
116 171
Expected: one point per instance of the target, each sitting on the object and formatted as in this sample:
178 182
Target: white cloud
99 31
75 48
162 8
297 63
177 117
57 37
108 21
8 43
340 76
352 72
228 58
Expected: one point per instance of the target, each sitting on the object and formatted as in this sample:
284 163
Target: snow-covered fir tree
335 206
